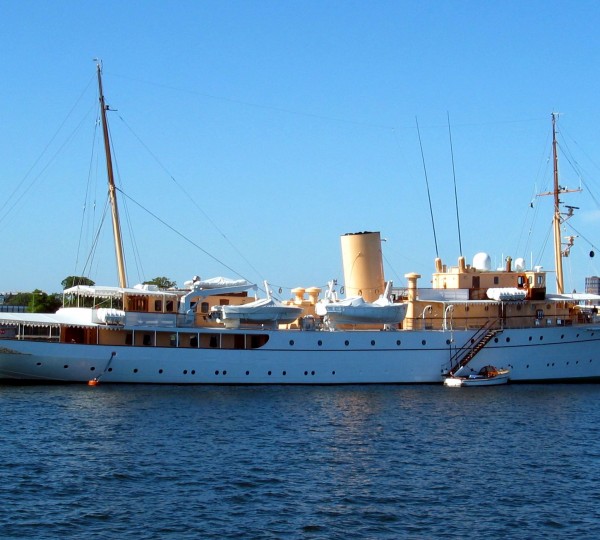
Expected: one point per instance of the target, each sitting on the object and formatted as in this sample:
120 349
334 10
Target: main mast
557 219
112 192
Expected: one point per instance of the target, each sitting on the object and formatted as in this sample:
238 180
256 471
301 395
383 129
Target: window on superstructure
204 307
157 305
169 306
496 280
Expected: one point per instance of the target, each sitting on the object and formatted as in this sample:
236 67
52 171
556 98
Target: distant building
592 285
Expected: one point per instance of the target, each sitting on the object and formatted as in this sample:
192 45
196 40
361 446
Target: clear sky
260 131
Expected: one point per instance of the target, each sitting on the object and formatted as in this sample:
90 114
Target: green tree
162 282
72 281
37 301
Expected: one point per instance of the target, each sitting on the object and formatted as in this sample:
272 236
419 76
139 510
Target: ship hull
313 357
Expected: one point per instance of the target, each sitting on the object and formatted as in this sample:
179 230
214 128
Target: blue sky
261 131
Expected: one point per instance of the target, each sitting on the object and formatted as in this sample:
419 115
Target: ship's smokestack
363 265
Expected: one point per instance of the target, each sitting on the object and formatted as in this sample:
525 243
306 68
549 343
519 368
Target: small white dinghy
487 376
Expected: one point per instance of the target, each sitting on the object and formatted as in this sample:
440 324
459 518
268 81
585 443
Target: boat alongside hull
312 357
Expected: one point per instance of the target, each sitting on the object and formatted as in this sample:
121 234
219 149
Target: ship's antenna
455 192
428 193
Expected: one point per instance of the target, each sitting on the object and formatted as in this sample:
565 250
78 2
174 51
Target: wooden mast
557 219
112 192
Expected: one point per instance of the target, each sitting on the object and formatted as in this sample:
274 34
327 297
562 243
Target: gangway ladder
469 350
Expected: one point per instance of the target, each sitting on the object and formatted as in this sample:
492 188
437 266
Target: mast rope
208 254
190 198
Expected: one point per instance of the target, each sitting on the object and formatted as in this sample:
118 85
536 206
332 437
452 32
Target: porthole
346 343
527 366
160 370
39 364
530 338
448 342
66 366
135 370
333 372
472 341
193 372
312 372
92 368
398 342
109 369
224 372
541 338
562 336
268 373
284 373
306 373
185 371
291 342
319 343
577 361
216 372
507 340
590 360
495 340
372 342
424 342
247 373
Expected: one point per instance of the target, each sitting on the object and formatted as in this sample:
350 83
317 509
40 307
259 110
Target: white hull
313 357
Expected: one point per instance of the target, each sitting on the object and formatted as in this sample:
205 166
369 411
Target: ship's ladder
469 350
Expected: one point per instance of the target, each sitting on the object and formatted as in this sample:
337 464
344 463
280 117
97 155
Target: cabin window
496 280
475 282
169 306
128 339
147 339
223 302
213 342
158 305
520 281
204 307
539 314
540 280
194 341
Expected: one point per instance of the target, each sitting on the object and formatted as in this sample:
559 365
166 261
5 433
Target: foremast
112 192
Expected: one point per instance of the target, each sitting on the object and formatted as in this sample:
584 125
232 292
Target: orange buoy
93 382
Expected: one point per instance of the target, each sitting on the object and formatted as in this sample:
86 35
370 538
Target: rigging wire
36 178
181 234
428 193
192 200
85 200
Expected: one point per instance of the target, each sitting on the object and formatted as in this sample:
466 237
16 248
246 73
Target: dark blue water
291 462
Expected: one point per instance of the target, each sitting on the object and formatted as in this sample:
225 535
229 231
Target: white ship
472 316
